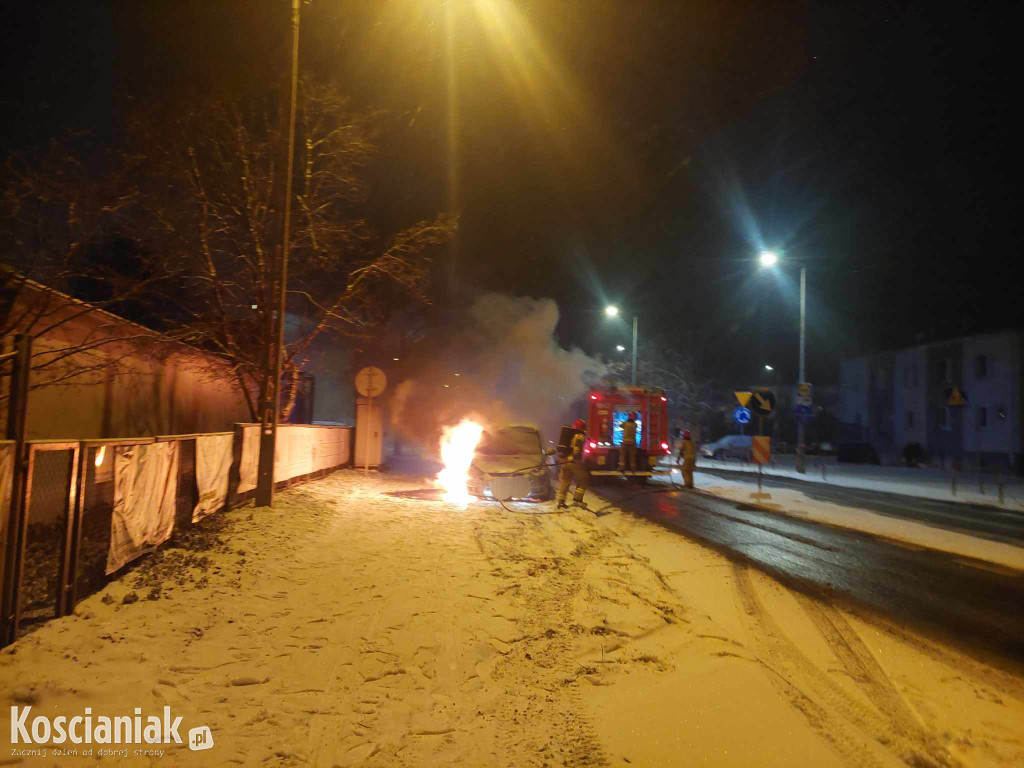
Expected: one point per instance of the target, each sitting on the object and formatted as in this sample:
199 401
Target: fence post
10 609
66 596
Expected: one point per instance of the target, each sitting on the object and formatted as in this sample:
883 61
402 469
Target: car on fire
511 462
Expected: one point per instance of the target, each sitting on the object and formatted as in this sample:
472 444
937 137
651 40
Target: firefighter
688 455
573 469
627 451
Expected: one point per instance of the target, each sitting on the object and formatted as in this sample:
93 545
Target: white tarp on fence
331 447
301 450
213 467
294 452
249 464
145 493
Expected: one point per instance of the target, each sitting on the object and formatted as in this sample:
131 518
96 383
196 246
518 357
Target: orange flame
458 445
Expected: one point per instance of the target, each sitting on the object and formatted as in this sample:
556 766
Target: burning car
511 463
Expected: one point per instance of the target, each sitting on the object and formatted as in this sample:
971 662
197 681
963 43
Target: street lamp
612 311
770 259
619 348
768 368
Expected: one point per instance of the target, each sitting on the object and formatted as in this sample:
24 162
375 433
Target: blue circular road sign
741 415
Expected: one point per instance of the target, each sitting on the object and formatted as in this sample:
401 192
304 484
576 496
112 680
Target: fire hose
674 487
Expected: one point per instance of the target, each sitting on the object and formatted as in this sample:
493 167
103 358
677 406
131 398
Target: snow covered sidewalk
348 627
793 502
921 482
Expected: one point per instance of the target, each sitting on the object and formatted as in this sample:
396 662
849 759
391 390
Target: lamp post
272 388
613 311
770 259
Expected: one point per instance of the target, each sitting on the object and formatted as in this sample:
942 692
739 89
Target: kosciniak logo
86 729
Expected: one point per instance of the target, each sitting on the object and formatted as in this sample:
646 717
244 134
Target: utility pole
272 405
635 320
801 448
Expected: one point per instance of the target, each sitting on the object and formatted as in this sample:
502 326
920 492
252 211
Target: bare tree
212 194
663 363
61 234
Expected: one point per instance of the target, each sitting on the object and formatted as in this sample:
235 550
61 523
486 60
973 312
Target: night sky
634 151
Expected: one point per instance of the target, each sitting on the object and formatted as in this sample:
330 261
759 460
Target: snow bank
923 482
797 504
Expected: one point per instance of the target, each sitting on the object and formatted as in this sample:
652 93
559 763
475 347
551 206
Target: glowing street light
619 348
613 311
768 368
770 259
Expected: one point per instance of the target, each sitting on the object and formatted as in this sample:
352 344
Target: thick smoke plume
510 371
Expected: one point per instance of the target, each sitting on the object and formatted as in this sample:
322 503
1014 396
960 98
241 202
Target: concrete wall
910 401
329 362
882 389
996 389
854 378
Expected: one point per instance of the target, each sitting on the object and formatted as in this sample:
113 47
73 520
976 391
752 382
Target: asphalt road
964 601
976 519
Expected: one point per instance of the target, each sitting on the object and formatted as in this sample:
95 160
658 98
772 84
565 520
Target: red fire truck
609 407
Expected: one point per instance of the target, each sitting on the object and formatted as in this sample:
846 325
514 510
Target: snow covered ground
348 627
797 504
923 482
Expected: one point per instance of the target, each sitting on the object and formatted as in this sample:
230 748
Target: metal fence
58 535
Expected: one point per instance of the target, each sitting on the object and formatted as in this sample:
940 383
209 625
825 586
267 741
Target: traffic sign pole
801 448
369 422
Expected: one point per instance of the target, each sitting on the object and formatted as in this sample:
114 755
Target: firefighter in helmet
573 469
627 451
688 458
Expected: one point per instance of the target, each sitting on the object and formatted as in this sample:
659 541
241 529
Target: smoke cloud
510 371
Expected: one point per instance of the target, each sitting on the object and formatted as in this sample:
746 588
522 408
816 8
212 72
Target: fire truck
609 407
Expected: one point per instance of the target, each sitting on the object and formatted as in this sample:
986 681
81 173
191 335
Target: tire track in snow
864 669
842 710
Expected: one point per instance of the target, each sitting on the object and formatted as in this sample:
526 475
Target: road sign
762 449
955 398
763 403
371 381
743 398
741 415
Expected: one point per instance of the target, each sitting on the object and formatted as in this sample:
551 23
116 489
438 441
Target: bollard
953 475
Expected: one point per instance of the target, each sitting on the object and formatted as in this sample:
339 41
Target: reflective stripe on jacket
576 447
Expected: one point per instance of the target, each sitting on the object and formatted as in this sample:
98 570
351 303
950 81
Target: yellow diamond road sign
956 397
743 398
